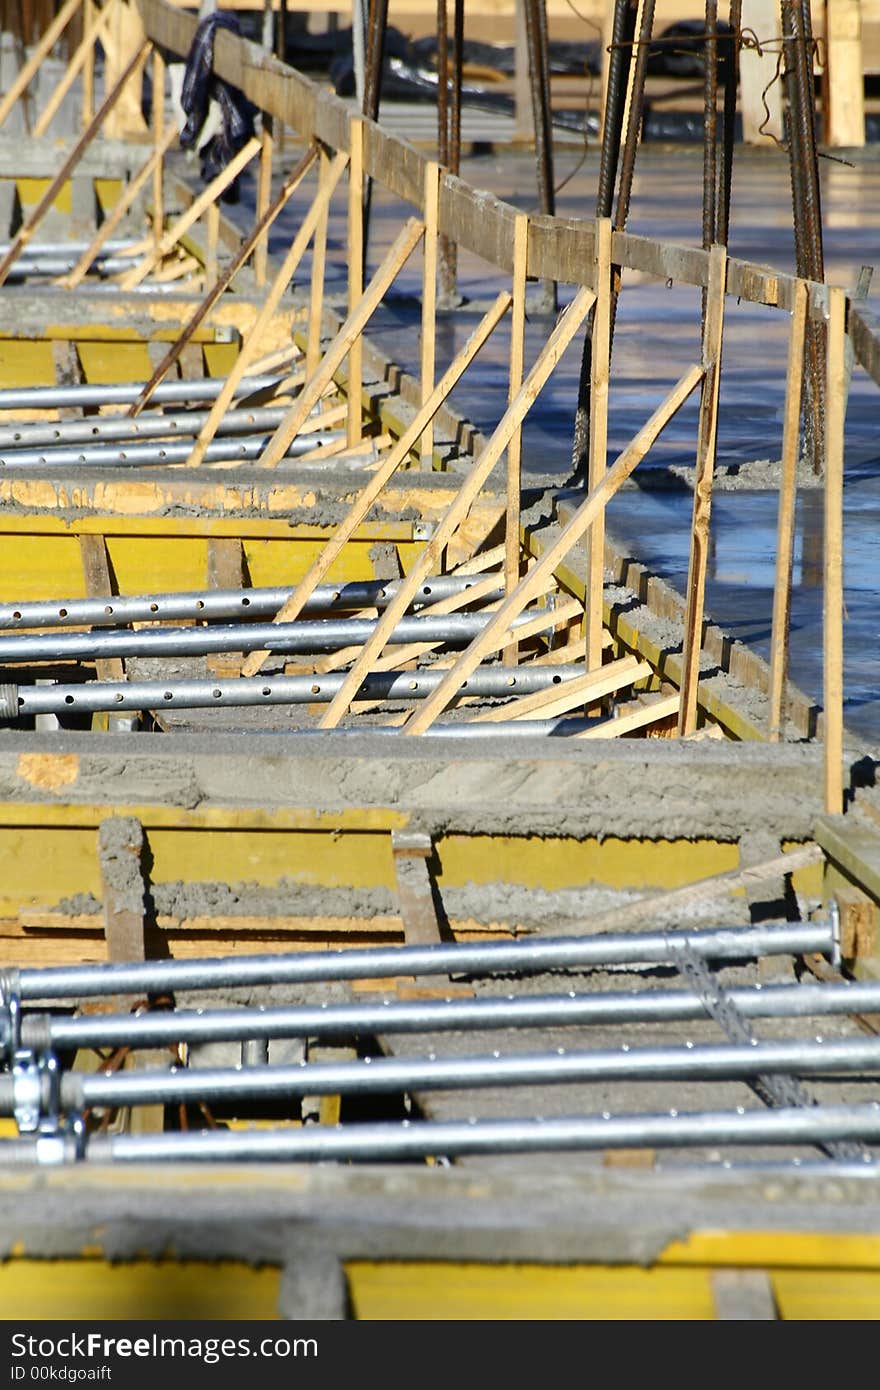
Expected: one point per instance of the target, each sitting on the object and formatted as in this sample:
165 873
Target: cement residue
120 846
756 475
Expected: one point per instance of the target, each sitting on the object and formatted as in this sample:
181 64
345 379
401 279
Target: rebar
393 1016
281 690
560 953
539 78
207 604
90 394
454 629
731 83
393 1075
232 448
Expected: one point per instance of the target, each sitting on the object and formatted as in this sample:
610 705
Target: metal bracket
27 1092
423 530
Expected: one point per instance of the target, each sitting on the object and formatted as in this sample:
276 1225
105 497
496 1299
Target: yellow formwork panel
277 562
106 363
352 860
30 191
154 564
481 1292
145 1289
26 363
108 192
45 865
564 862
219 358
827 1294
40 566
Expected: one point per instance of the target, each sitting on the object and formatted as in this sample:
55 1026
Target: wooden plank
26 231
429 305
255 337
759 84
96 570
318 269
264 197
120 209
832 605
74 65
576 528
705 468
785 523
649 713
28 71
512 544
354 430
159 149
864 332
854 847
580 690
566 327
600 366
120 850
410 852
186 220
396 257
843 86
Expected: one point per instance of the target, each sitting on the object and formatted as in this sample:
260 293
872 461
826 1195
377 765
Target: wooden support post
787 497
187 219
29 70
843 85
493 635
354 430
159 146
118 212
512 543
346 528
89 16
832 611
410 851
120 850
223 282
251 344
77 61
429 302
212 240
760 87
264 197
319 264
26 231
96 569
569 323
600 365
398 254
705 469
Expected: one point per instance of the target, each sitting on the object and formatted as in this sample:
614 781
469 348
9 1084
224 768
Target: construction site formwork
228 810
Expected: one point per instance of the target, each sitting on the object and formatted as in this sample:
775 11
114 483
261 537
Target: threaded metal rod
560 953
429 1016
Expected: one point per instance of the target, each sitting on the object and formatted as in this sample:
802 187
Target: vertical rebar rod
377 26
731 83
539 79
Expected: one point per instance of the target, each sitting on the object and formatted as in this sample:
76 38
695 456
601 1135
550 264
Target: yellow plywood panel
144 1289
30 191
219 358
568 863
40 566
827 1295
151 564
407 1291
109 362
107 192
45 865
26 363
353 860
277 562
797 1249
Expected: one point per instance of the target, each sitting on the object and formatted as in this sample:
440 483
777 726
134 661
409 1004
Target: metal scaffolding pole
55 434
561 953
92 394
232 448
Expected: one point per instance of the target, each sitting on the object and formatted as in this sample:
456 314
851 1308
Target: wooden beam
277 289
759 84
120 850
843 86
785 523
429 305
318 269
96 571
396 257
264 198
346 528
354 430
832 609
650 712
512 543
186 220
576 528
26 231
569 322
159 147
72 71
705 469
600 366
